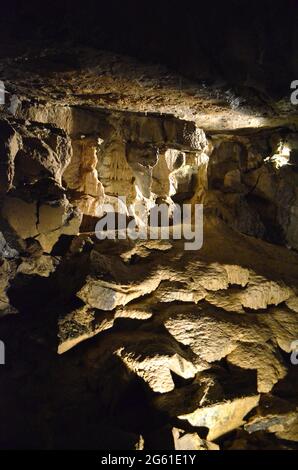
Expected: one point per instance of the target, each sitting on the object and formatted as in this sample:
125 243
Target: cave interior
136 342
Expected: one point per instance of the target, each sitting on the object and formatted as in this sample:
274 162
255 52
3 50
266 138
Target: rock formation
122 343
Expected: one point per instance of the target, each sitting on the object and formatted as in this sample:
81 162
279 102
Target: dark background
234 41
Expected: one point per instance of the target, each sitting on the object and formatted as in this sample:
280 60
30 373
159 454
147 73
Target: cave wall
68 162
140 343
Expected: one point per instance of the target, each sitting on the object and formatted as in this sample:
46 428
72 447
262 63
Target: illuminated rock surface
126 343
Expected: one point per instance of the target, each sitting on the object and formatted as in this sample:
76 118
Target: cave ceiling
140 340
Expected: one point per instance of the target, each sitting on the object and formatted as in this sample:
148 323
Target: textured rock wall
130 340
253 183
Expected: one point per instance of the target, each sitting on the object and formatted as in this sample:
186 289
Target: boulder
191 441
43 265
79 325
45 222
264 358
213 334
276 416
223 417
152 356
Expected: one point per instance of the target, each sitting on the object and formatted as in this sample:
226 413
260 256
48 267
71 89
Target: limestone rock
45 222
40 159
32 153
262 357
107 296
275 415
175 291
7 273
229 300
154 360
55 220
211 276
237 274
9 146
150 335
114 171
223 417
81 175
150 355
258 294
289 430
21 216
142 159
213 335
284 326
217 400
6 251
225 163
292 303
80 325
261 293
136 311
41 266
173 133
188 441
113 284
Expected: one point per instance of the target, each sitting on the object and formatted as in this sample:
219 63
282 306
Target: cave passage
149 227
